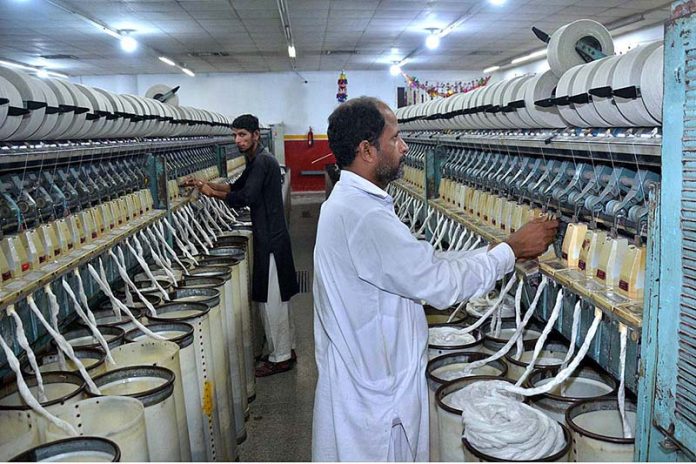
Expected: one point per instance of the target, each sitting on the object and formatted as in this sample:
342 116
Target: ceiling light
166 60
17 65
57 74
128 44
497 2
188 72
531 56
433 40
291 51
491 69
42 73
395 69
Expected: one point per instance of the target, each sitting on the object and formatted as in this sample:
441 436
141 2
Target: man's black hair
352 122
247 122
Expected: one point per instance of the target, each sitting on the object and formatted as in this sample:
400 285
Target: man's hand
533 238
207 190
192 182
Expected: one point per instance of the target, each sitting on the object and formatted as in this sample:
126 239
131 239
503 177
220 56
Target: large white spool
628 73
80 125
161 89
512 94
117 418
564 89
152 352
543 86
65 103
99 125
29 92
45 131
581 86
9 123
561 53
605 105
651 83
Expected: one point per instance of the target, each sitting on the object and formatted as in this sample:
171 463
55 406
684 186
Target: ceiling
247 35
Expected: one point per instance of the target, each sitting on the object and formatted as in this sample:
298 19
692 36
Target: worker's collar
259 149
354 180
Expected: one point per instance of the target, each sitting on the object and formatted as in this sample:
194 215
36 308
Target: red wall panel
299 157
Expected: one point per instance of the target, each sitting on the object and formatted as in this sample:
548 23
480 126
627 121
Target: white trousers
277 320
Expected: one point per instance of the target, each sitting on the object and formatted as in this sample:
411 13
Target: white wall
273 97
622 43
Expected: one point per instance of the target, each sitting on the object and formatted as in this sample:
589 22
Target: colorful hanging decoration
342 94
444 89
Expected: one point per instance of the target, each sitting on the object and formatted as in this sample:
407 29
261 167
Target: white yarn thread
63 345
92 327
123 272
179 215
158 260
542 338
518 332
24 344
26 395
573 334
146 268
563 374
184 235
518 319
475 245
83 296
460 242
159 232
53 311
488 313
627 432
425 223
191 219
116 302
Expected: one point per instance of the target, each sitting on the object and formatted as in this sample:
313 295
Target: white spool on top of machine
626 85
600 89
46 128
11 114
561 52
542 88
513 98
31 96
651 82
66 107
160 91
563 94
581 99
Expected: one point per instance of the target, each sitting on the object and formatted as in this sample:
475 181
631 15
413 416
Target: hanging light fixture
128 43
395 69
433 39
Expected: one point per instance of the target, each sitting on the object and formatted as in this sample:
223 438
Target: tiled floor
280 425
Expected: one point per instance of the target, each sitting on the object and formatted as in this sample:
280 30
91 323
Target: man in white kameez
370 275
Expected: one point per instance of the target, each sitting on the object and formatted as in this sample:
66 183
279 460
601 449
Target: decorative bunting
342 94
444 89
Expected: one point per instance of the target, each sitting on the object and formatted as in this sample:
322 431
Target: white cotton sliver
563 374
627 432
542 338
573 334
83 297
449 336
53 309
498 424
519 348
492 309
146 268
425 223
475 245
63 346
24 344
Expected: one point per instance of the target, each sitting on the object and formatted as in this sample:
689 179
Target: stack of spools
55 109
614 91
